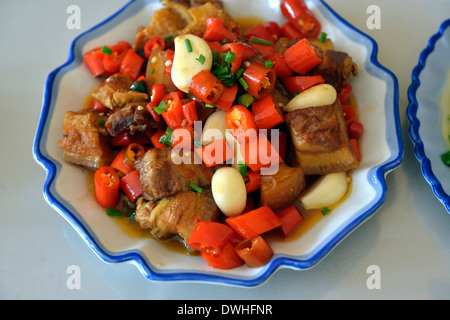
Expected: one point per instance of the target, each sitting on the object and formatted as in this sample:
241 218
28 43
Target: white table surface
408 238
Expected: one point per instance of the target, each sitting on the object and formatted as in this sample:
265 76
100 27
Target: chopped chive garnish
166 138
239 73
107 50
195 187
170 36
188 45
229 57
243 169
153 71
268 64
115 213
224 41
201 59
323 37
446 158
215 55
198 144
296 94
260 41
210 105
102 122
161 107
243 83
139 86
325 210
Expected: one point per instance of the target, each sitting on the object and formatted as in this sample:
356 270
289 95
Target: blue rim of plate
414 125
377 174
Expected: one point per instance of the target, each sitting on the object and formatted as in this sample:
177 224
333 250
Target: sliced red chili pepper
240 120
94 60
132 152
155 42
302 57
113 61
122 139
170 55
173 115
106 181
259 153
274 29
131 64
216 31
155 115
228 97
158 91
210 236
279 65
289 31
355 129
259 31
252 181
256 252
299 84
131 186
355 148
155 139
206 87
227 258
349 114
345 93
291 219
260 80
301 17
98 106
267 113
190 112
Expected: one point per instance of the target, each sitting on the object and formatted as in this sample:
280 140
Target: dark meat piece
85 142
115 92
133 117
320 139
161 177
176 215
280 190
336 68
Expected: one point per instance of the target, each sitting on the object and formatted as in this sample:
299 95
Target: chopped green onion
229 56
243 83
198 144
115 213
246 100
224 42
260 41
325 210
210 105
166 138
215 55
243 169
195 187
201 59
239 73
153 71
139 86
188 45
102 122
107 50
323 37
170 36
161 107
268 64
296 94
446 158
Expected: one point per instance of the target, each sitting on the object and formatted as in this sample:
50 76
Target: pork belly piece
115 92
336 68
160 177
182 17
176 215
85 141
321 140
134 117
280 190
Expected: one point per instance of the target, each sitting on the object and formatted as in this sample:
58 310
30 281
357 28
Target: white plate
65 189
425 115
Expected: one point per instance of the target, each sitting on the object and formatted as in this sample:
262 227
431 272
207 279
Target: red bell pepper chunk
131 64
301 17
227 258
94 60
113 61
106 181
131 186
291 219
302 57
355 129
119 163
259 153
267 113
216 152
255 222
301 83
255 252
211 236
